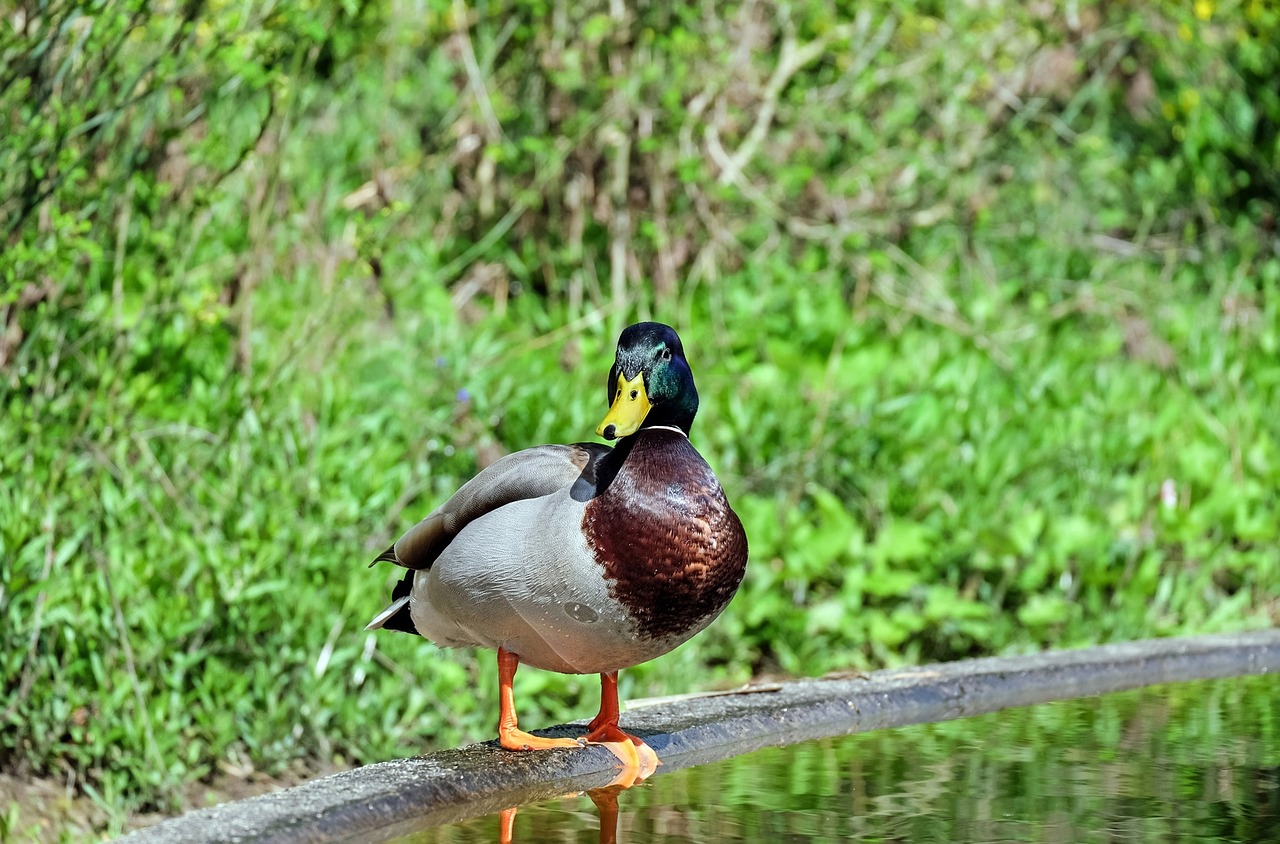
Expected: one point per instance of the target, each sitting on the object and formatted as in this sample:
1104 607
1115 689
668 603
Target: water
1189 762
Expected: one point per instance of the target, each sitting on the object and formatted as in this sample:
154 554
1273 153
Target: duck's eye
666 353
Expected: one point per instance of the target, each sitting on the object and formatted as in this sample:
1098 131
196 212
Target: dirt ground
46 810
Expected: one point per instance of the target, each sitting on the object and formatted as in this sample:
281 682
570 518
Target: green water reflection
1189 762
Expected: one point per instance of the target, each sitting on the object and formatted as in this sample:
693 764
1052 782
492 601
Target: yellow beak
630 407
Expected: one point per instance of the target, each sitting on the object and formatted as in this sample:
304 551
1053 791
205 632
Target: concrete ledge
390 799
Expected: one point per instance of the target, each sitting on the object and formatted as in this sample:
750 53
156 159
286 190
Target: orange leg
511 736
606 800
635 755
609 710
507 825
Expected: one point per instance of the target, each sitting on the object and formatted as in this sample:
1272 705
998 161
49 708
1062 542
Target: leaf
901 541
1043 610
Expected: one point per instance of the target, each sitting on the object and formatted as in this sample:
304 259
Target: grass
972 387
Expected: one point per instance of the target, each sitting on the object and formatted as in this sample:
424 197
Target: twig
866 52
122 243
945 317
475 80
620 225
102 457
481 246
664 284
793 58
179 429
166 482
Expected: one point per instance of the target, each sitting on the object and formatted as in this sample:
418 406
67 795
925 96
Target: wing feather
531 473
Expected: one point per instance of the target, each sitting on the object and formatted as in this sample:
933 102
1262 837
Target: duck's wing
531 473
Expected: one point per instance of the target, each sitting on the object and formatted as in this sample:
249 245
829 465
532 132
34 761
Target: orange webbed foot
514 739
637 758
639 761
511 736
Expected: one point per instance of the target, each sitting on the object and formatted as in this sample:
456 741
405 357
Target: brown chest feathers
672 549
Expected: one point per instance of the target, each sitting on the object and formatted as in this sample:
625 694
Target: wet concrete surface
390 799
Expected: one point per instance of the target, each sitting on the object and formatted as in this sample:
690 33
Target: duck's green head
650 383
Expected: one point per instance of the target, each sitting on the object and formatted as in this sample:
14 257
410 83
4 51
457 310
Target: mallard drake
582 559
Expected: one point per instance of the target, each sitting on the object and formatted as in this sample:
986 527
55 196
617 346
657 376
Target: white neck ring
671 428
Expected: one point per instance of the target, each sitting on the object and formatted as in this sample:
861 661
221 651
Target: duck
583 558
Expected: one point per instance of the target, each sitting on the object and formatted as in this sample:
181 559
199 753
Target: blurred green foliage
981 299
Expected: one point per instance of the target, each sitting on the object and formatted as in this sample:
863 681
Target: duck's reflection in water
606 800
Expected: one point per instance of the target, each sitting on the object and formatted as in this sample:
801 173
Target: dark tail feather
387 556
396 616
402 621
404 587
